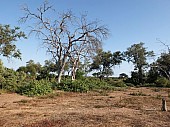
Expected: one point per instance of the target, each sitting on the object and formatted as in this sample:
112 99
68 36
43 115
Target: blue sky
129 21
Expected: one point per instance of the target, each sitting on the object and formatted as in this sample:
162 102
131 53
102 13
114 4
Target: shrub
116 82
130 84
82 85
120 84
10 85
72 86
10 80
35 88
162 82
79 74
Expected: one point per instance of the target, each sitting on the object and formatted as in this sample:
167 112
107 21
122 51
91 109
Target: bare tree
65 36
81 51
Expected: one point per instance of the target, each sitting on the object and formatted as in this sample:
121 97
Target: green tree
137 54
123 76
153 73
8 36
162 65
104 61
48 70
32 69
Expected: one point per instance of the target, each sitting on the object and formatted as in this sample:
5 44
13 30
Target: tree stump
164 108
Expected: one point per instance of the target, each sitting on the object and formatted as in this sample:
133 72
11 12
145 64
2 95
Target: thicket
35 88
87 84
25 84
39 81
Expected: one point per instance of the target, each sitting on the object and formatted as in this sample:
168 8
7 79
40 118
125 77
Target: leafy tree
153 73
104 61
8 36
123 75
31 69
162 65
137 54
48 70
22 69
66 36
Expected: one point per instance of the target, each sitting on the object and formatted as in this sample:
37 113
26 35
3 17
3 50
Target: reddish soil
133 107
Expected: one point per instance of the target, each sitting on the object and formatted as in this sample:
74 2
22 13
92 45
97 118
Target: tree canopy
104 61
8 36
137 54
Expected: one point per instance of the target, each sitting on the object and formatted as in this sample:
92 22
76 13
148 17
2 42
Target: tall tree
137 54
32 69
8 36
104 61
48 70
163 65
65 35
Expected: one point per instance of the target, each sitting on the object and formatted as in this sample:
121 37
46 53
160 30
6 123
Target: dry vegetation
133 107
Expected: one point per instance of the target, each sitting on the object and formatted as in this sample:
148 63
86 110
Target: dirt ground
132 107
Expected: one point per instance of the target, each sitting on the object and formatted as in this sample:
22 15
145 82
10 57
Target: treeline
36 79
75 46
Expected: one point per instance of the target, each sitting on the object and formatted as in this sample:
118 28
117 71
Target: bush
79 74
35 88
11 80
120 84
10 85
82 85
162 82
130 84
72 86
116 82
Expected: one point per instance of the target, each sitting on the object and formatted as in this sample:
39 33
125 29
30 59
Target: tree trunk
73 73
141 76
59 75
61 69
73 76
74 69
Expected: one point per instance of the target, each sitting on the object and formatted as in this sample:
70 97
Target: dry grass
93 109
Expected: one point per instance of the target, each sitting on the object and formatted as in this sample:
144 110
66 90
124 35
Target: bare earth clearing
133 107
